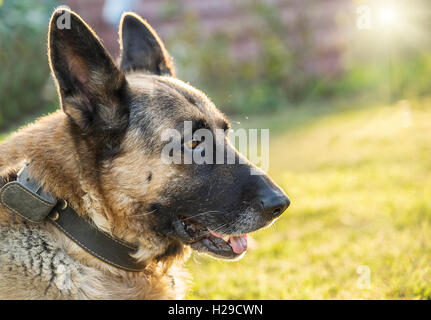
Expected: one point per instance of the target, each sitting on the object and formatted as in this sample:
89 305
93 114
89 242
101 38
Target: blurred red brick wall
225 15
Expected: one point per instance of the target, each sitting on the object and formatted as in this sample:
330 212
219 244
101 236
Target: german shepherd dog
101 154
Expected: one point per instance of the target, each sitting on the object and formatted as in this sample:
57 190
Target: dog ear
91 88
141 47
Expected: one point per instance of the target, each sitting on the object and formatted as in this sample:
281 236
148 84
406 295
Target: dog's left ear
141 47
91 87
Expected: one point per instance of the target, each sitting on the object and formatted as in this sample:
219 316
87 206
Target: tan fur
59 164
102 154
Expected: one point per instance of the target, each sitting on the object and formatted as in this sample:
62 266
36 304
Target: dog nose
274 204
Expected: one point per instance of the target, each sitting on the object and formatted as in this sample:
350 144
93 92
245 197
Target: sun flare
389 16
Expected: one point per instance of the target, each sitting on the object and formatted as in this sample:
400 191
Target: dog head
123 111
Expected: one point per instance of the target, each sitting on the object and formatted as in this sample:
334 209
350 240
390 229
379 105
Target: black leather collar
26 198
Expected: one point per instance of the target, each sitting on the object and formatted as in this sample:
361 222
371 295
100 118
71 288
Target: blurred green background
344 87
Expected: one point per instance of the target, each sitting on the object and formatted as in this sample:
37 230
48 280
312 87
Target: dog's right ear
91 87
141 47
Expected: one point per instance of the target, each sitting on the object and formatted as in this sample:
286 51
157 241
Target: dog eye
192 144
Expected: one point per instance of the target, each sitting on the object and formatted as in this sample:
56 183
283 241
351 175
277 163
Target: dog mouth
203 239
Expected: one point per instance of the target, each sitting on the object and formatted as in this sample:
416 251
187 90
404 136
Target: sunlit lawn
360 186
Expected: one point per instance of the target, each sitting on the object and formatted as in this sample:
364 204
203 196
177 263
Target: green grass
360 186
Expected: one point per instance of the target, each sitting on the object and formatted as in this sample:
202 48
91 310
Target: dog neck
59 162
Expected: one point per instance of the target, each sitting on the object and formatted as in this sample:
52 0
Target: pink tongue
238 244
